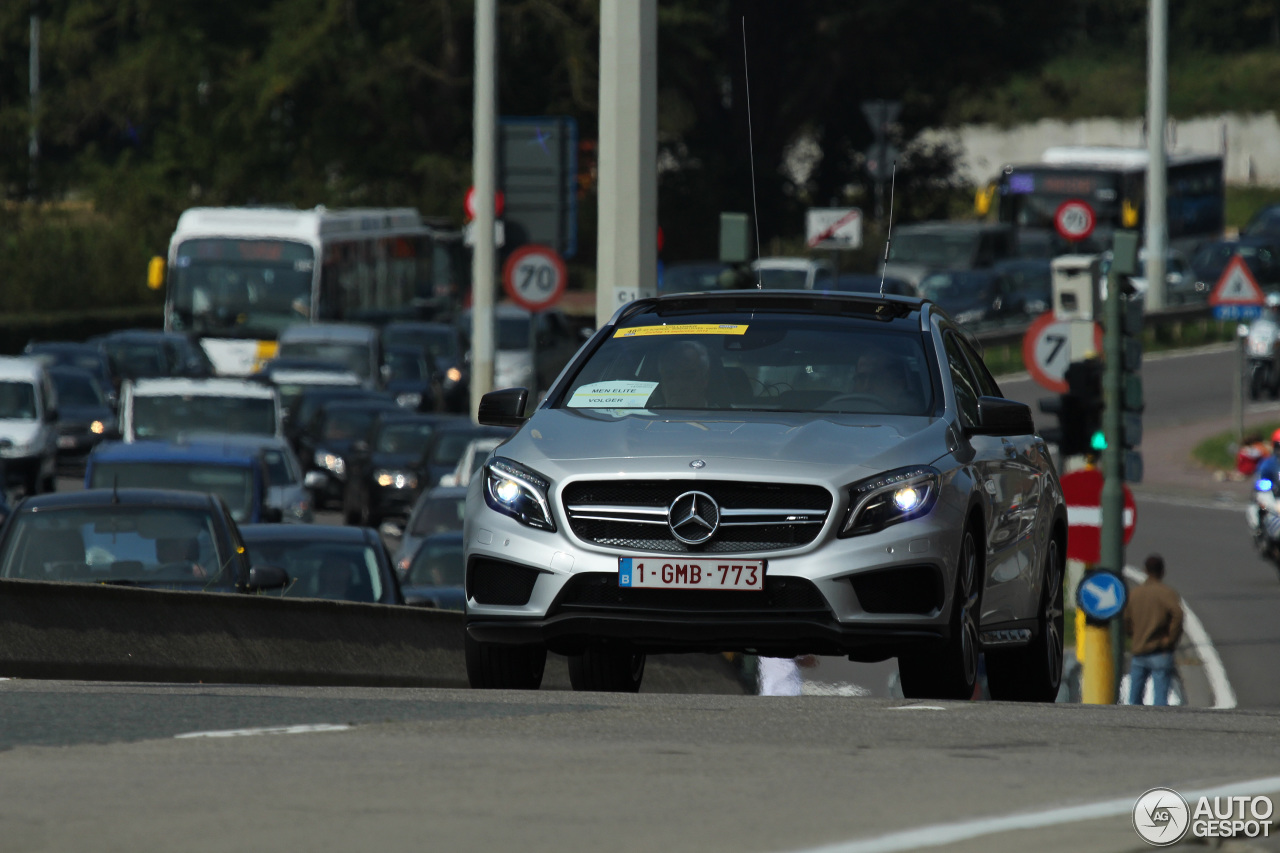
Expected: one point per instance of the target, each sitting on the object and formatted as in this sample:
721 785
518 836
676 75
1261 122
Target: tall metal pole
627 253
1157 232
33 80
484 167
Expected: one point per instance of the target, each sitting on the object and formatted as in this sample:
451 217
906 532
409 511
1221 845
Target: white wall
1252 143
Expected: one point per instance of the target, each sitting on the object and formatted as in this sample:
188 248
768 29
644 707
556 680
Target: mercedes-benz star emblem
698 463
693 517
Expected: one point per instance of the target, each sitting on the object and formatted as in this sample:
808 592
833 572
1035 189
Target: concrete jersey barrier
110 633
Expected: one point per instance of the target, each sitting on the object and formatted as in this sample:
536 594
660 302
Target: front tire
950 670
496 666
607 669
1033 673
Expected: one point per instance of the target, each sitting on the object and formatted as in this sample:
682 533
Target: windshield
437 564
249 288
17 401
354 357
410 439
758 362
439 515
233 484
934 249
117 544
78 390
348 424
171 416
405 365
333 570
141 359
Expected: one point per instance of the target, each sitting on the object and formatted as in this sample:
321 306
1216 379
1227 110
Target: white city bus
237 276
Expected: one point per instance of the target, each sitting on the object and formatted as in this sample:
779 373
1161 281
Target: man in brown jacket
1153 621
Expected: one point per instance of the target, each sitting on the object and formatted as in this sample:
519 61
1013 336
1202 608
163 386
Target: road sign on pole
1074 220
1082 491
833 227
534 277
1237 295
1101 595
1046 350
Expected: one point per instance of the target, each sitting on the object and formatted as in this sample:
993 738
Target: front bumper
870 597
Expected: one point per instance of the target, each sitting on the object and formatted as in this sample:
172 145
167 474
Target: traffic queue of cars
771 472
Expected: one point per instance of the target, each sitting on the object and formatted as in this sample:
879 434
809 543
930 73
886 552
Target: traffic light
1128 392
1079 410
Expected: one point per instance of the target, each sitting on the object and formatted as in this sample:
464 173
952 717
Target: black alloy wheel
497 666
949 670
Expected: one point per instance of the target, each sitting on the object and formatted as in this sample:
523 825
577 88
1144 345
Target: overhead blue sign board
1237 312
1101 595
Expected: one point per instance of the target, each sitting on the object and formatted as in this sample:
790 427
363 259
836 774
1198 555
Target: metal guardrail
1009 334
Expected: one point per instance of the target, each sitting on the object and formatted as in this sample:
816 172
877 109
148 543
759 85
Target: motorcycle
1264 373
1263 516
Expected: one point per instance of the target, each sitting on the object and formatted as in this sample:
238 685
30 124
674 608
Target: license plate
672 573
66 441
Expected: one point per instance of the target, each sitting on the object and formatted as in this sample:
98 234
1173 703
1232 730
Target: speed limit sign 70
534 277
1046 350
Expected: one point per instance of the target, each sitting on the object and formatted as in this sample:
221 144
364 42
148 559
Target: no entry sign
1082 491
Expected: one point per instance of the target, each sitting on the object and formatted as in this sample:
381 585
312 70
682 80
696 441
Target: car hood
19 432
767 445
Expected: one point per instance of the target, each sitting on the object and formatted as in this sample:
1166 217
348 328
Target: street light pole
484 167
1157 232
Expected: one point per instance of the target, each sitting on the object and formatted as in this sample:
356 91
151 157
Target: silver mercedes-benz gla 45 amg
775 473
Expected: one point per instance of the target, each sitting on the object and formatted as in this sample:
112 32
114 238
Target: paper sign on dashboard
628 394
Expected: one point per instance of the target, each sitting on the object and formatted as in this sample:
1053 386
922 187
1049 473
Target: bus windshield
241 288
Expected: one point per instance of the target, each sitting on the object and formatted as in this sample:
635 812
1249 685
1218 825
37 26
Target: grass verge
1219 451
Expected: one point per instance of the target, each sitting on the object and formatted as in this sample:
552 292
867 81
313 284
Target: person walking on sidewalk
1153 621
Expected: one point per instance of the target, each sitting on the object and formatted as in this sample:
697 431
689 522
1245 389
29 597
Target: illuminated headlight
332 462
395 479
891 498
452 376
409 399
519 492
1259 346
97 427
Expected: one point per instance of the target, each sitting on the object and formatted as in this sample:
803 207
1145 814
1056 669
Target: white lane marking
1224 696
918 708
269 730
840 688
951 833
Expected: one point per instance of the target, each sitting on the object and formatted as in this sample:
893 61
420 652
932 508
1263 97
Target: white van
28 428
170 409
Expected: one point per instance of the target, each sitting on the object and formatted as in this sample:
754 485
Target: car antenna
893 178
751 152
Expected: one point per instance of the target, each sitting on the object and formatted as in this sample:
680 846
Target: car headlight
409 399
890 498
452 375
388 478
332 462
97 427
512 489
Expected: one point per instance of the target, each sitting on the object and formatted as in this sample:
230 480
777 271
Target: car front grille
782 597
499 582
752 517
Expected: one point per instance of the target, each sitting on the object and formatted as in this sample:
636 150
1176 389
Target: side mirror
267 577
272 515
503 408
998 416
315 480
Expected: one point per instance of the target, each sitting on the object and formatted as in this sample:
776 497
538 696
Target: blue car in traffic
235 473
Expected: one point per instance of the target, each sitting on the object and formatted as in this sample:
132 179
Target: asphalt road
99 767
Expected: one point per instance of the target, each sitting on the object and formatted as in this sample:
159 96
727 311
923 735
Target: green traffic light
1099 441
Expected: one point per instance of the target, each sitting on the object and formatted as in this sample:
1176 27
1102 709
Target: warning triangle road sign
1237 286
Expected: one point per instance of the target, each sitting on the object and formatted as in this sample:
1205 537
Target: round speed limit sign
534 277
1046 350
1074 220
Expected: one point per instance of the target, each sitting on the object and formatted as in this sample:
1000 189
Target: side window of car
962 381
987 386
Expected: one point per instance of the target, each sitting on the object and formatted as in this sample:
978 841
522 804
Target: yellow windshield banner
683 329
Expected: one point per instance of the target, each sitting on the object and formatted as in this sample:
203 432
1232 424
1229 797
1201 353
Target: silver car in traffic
774 473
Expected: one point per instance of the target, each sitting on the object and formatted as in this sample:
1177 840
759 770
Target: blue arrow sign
1101 595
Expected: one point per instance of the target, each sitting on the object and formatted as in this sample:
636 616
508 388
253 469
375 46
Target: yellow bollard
1080 623
1098 685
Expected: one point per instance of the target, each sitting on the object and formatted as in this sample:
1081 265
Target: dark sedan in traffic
325 561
